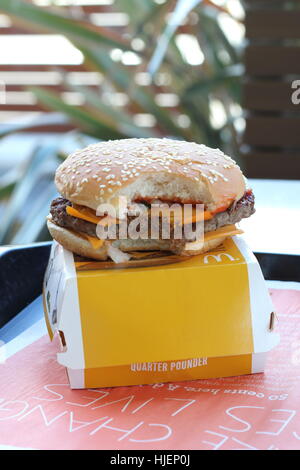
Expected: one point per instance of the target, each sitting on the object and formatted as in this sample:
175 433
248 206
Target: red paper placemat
262 411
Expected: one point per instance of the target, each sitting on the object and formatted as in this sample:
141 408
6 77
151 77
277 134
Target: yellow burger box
205 317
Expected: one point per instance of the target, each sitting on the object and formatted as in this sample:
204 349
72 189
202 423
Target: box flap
61 305
264 339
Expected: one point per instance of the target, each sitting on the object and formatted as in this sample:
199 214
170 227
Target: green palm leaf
181 10
85 118
48 20
124 80
123 119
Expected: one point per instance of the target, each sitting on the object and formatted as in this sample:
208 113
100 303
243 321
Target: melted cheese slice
95 242
177 215
194 217
227 231
85 213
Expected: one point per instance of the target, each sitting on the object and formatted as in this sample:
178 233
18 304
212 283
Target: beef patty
236 212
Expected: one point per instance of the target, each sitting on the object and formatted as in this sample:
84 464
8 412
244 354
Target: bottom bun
78 244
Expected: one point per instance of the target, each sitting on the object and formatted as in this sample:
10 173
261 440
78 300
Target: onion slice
117 255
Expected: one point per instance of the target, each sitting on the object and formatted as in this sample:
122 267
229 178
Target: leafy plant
155 45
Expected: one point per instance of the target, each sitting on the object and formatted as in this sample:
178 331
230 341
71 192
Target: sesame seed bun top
147 169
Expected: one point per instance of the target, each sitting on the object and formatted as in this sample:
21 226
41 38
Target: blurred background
217 72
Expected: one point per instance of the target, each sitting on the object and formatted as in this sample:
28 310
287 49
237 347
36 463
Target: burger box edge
206 317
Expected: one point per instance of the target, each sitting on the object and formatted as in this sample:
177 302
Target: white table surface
275 227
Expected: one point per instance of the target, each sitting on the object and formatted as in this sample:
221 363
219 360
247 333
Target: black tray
18 288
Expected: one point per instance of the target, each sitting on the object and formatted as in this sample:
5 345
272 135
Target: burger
109 187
